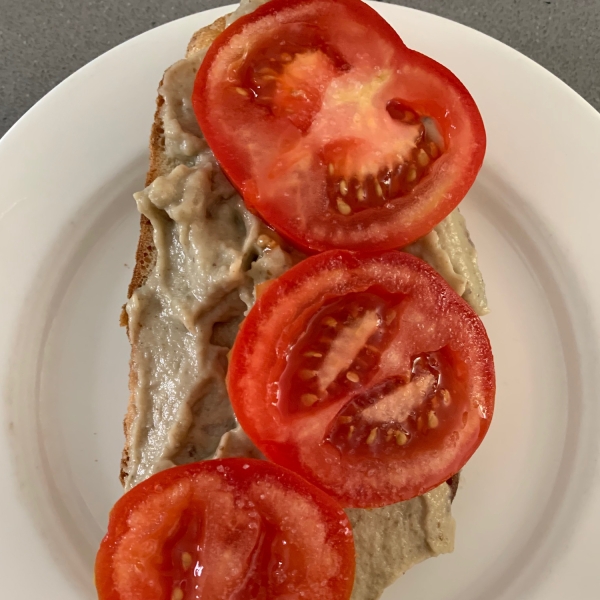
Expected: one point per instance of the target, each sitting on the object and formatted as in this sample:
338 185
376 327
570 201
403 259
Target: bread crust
145 256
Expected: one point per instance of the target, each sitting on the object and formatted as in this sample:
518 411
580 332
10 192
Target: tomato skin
302 440
252 146
247 480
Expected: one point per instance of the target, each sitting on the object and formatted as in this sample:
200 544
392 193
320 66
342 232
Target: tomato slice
366 374
334 131
229 529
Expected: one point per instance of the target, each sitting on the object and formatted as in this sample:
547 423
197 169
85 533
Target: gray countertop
44 41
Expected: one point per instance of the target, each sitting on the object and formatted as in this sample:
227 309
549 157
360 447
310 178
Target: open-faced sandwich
308 369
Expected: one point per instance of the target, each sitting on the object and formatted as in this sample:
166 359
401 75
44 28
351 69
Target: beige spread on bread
183 320
201 254
450 251
391 539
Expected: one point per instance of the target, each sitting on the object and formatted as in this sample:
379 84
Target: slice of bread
145 256
448 248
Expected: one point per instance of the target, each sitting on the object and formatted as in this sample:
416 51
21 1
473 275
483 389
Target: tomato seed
343 187
307 374
308 399
434 151
177 594
432 420
186 560
372 436
343 207
352 376
330 322
401 438
446 398
313 354
422 158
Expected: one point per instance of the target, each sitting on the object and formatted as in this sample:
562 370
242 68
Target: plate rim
14 130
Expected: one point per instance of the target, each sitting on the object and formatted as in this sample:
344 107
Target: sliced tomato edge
279 451
129 502
457 186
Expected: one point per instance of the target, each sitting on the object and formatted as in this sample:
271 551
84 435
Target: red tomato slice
334 131
366 374
229 529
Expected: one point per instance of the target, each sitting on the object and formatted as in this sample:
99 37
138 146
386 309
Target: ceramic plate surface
528 522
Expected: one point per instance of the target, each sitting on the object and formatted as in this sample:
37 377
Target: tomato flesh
337 353
227 529
335 132
365 373
295 57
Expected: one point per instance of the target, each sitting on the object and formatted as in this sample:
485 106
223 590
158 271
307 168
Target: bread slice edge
145 256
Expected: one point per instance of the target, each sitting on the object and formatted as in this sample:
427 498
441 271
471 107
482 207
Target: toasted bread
145 256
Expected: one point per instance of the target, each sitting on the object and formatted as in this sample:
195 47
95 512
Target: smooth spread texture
211 253
450 251
183 139
391 539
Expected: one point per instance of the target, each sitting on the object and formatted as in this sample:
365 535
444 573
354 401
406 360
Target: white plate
527 508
